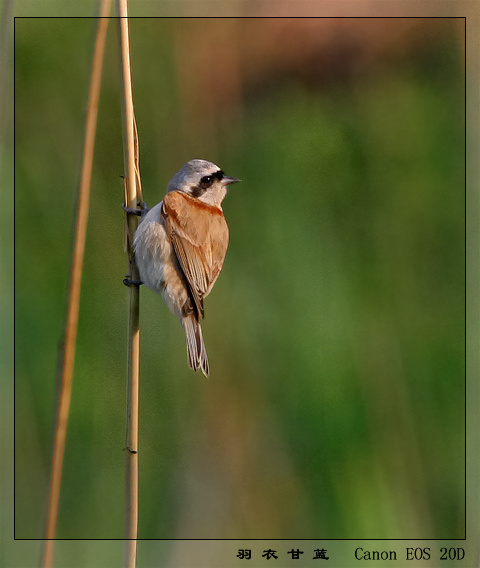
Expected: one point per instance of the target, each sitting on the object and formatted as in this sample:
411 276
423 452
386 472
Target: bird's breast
153 250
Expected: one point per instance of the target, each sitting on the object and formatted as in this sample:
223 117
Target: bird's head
203 180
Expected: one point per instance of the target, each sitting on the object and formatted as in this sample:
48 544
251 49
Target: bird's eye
206 180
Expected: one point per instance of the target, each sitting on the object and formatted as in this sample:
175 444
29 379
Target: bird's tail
197 355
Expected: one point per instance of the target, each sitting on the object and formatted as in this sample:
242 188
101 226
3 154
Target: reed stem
133 199
73 304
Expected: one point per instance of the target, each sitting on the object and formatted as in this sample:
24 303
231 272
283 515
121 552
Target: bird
180 246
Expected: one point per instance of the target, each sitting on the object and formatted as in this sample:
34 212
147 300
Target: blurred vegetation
335 407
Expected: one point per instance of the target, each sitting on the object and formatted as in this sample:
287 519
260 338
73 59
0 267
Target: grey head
202 180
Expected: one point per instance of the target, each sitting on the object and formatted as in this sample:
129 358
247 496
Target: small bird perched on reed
180 246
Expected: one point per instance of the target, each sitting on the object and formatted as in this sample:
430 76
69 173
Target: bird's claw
138 212
129 282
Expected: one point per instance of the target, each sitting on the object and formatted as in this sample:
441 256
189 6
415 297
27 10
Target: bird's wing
199 235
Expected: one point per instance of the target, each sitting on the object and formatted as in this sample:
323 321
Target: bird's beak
228 180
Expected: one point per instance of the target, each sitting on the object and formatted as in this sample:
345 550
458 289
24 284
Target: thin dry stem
133 198
71 324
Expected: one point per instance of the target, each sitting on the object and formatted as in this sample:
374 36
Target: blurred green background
335 406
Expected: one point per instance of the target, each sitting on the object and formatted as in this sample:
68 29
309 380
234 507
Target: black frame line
465 260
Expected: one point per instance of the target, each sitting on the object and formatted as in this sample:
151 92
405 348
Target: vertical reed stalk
133 198
71 322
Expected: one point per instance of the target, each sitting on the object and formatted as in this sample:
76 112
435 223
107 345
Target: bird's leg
139 212
129 282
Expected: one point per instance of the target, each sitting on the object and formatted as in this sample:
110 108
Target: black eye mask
206 182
